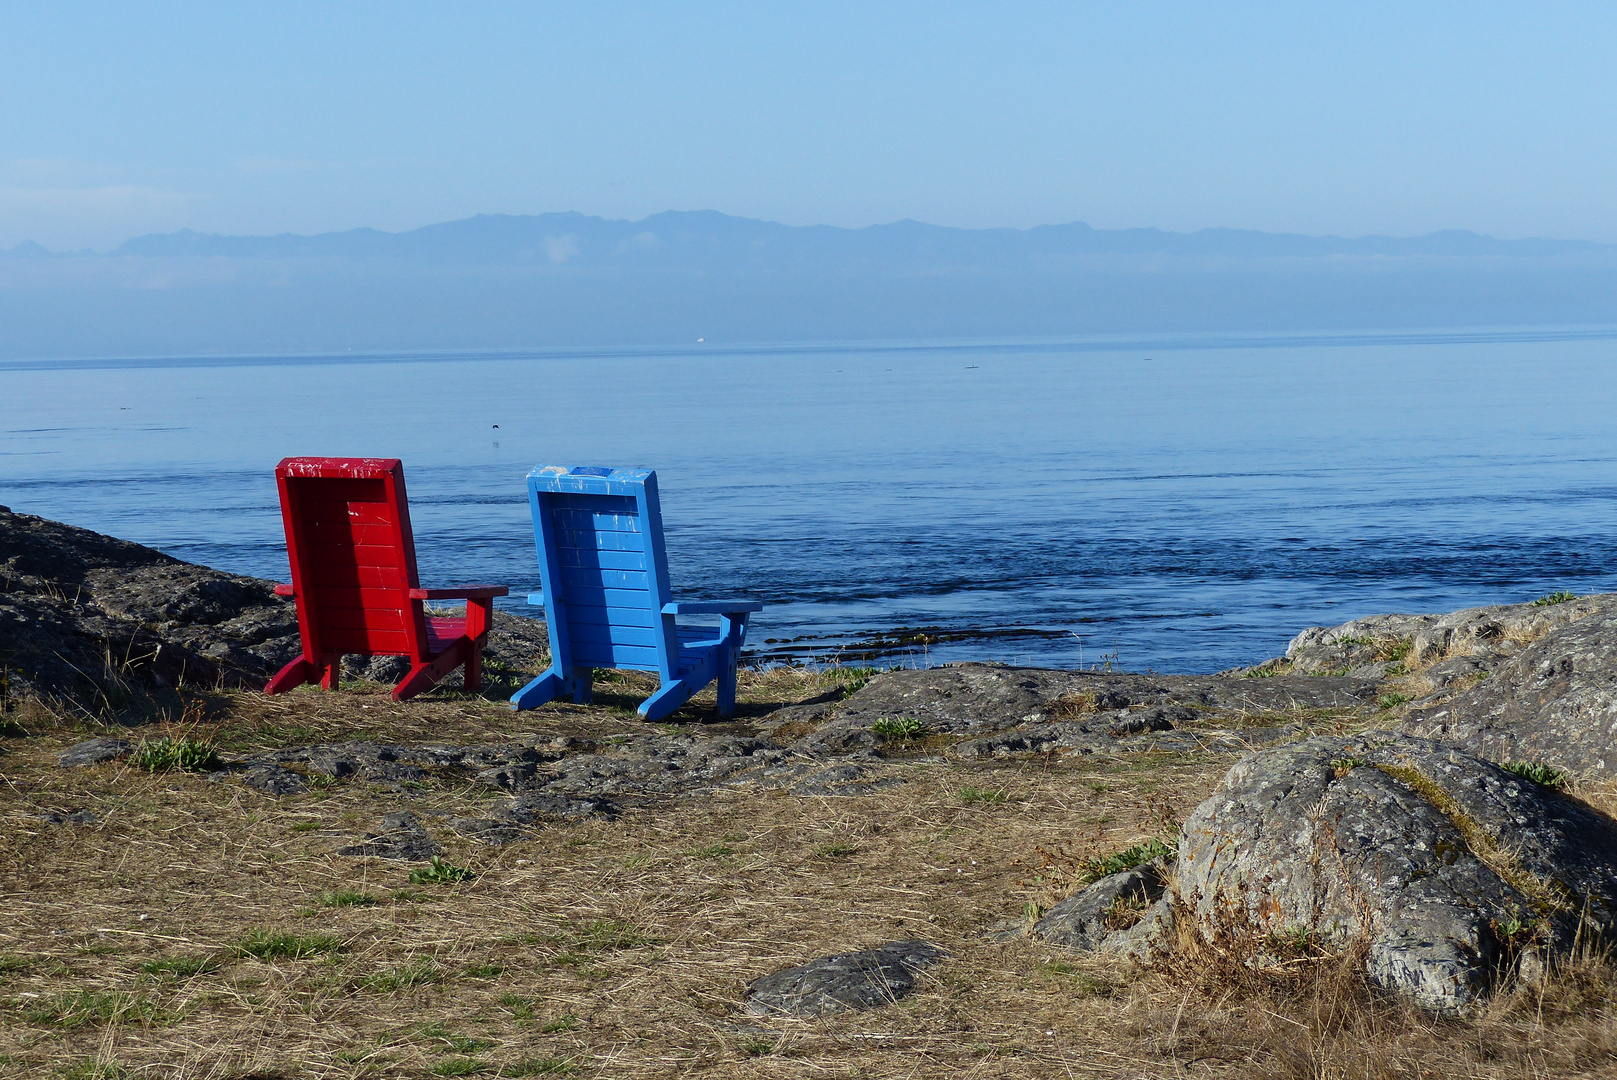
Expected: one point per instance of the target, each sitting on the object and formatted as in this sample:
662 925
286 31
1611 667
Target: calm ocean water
1178 504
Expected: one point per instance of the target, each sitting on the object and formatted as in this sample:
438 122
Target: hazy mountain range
498 281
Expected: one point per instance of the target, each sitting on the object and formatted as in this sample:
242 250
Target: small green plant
1093 869
1344 765
440 873
835 850
902 727
1391 701
304 826
850 680
464 1066
1554 598
181 967
403 977
712 851
278 945
409 896
94 1007
757 1046
483 971
538 1067
971 796
348 898
187 755
10 963
463 1045
519 1007
609 935
1539 773
560 1024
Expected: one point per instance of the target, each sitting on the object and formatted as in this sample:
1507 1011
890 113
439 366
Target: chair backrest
352 554
599 535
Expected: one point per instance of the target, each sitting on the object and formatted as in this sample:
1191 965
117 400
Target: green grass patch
304 826
403 977
1554 598
835 850
483 971
1092 870
520 1008
461 1067
279 945
1539 773
440 873
849 680
94 1007
1391 701
560 1024
900 727
11 964
758 1046
973 796
91 1069
612 935
186 755
180 967
712 851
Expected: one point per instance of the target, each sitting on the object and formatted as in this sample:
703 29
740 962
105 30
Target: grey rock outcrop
1449 648
401 837
94 752
1447 866
1554 702
846 982
1102 916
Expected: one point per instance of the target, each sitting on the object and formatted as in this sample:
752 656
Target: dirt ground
199 928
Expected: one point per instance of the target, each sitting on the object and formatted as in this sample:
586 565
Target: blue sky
1349 119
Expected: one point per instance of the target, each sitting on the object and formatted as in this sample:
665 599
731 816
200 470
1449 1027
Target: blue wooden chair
599 534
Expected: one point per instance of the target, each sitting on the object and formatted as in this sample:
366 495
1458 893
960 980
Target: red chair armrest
470 592
284 590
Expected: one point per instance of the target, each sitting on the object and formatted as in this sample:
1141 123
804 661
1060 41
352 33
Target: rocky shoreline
1404 785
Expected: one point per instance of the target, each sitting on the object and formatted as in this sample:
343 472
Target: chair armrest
470 592
711 607
284 590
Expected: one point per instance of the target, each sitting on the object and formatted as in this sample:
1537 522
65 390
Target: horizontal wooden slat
584 577
356 555
369 577
582 597
589 614
347 533
330 598
604 634
360 618
633 657
594 541
584 520
384 642
606 560
595 504
334 512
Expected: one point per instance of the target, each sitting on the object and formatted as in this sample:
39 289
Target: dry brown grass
622 948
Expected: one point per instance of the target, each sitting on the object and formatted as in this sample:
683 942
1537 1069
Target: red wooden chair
354 577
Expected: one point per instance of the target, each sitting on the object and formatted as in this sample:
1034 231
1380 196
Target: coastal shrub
905 727
187 755
1539 773
1093 869
1554 598
440 873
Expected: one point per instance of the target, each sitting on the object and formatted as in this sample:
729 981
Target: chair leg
547 687
331 672
727 688
474 667
665 701
425 676
293 675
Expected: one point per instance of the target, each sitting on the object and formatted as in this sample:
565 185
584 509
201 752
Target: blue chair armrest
711 607
536 599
